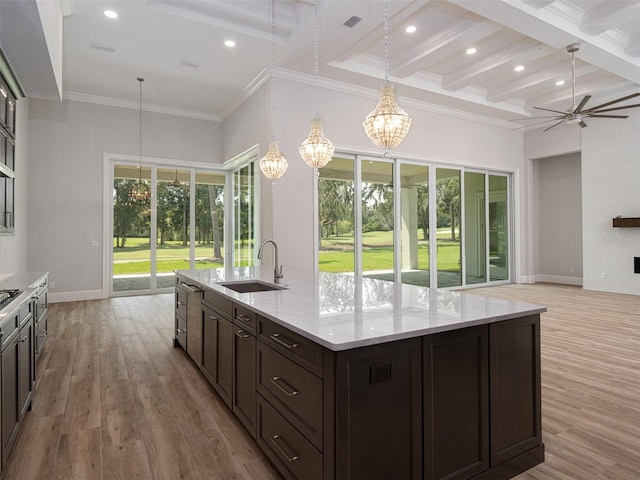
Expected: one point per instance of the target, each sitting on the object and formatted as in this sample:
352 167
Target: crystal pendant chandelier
273 164
316 150
388 124
140 193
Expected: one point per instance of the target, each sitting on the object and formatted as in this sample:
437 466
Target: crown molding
147 107
248 91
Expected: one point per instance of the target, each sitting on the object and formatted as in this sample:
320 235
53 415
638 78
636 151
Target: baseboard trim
75 296
526 279
559 279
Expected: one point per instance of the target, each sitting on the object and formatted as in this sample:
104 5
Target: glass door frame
109 163
433 214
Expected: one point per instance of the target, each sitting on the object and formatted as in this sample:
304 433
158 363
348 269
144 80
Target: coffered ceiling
178 46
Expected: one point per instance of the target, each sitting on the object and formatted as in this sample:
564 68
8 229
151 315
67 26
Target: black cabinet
40 318
456 403
16 371
244 378
516 424
10 358
9 93
217 364
188 324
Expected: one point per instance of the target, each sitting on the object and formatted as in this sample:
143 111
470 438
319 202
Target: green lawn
135 257
336 254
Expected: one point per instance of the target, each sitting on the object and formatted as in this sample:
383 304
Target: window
425 225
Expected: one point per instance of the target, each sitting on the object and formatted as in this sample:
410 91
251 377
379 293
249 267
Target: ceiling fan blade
606 116
622 99
555 124
535 118
582 124
612 109
534 124
549 110
582 104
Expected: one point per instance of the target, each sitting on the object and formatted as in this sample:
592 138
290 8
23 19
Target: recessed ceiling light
410 29
471 51
110 14
519 68
230 43
560 82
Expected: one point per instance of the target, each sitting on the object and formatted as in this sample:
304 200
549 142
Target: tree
448 200
126 215
336 204
423 210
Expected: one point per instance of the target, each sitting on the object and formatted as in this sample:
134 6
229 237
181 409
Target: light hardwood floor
115 400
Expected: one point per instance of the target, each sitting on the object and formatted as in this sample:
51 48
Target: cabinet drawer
8 329
181 302
290 344
296 392
245 319
285 446
26 312
181 332
219 303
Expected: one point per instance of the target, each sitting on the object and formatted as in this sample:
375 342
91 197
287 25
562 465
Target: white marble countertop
27 282
341 312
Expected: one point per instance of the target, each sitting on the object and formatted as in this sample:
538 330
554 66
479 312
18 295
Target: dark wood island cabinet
429 398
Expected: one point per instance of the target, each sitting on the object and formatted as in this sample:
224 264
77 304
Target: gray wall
557 190
67 141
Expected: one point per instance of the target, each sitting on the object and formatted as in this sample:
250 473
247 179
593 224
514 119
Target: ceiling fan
577 113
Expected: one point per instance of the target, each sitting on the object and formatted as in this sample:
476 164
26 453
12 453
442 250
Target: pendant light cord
273 70
386 42
140 80
315 57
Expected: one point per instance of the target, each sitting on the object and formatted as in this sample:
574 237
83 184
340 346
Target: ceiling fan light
273 164
574 119
316 150
387 125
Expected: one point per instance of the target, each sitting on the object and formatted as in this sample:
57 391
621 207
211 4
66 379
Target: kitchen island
343 377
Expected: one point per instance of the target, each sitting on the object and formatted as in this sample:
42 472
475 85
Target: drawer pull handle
284 387
43 334
243 318
242 334
22 339
181 303
283 341
291 458
214 318
182 330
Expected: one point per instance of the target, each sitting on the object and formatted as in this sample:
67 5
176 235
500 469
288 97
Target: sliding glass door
450 225
336 216
181 227
131 254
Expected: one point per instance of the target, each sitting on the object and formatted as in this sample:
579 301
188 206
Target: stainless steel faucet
277 271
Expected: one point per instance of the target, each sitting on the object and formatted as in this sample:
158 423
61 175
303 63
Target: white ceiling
428 67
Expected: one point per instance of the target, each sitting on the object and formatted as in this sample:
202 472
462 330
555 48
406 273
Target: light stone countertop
27 282
341 312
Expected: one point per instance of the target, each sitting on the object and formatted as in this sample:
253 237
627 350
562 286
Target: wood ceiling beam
608 15
522 53
434 50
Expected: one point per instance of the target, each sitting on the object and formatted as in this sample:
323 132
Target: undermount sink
250 286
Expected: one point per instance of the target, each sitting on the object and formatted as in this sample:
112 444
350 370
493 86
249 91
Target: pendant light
176 182
140 193
388 124
273 164
316 150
